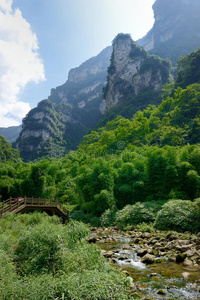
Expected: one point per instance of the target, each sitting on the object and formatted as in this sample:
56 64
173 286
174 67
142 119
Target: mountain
176 30
58 123
135 78
11 133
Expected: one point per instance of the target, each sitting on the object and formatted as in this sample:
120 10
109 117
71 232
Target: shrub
56 260
145 227
108 218
134 215
179 215
94 285
38 248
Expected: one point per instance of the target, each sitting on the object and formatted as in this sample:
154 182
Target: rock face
176 29
58 124
132 71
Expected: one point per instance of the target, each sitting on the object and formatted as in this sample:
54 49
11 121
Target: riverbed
162 279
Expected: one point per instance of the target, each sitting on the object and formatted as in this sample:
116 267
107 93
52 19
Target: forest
141 164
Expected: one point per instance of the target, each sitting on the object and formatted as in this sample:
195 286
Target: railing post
2 207
32 201
44 201
17 202
25 200
10 203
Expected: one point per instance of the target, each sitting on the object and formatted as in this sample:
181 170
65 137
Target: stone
185 275
141 252
153 274
92 239
180 257
145 235
194 287
161 292
126 247
148 259
184 248
136 240
170 236
172 259
183 242
188 263
107 254
190 253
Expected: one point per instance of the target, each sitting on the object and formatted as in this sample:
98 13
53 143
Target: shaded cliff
135 78
176 30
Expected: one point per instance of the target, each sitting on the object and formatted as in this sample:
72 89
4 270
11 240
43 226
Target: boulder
185 275
183 242
92 238
141 252
145 235
107 254
188 263
170 236
184 248
194 287
180 257
161 292
190 253
126 247
148 259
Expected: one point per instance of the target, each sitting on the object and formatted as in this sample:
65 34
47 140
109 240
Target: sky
41 40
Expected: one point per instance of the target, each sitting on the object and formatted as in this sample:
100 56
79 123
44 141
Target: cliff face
176 29
58 124
132 71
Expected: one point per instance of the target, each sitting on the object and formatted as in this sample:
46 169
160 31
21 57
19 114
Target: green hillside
7 153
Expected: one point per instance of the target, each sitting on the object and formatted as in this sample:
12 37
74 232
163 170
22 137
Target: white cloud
19 63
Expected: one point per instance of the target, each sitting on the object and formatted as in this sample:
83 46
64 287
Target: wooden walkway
18 205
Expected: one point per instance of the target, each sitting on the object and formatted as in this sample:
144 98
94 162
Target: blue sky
41 40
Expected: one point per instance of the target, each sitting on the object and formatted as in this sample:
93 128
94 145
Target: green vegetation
189 69
7 153
42 259
125 172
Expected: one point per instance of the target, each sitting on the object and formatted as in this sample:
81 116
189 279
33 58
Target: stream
159 280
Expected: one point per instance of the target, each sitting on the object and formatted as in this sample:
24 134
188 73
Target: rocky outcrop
132 71
58 124
176 29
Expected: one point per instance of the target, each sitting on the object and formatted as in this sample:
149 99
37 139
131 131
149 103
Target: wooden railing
13 204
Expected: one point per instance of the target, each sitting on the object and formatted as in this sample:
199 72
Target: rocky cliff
58 124
176 30
132 72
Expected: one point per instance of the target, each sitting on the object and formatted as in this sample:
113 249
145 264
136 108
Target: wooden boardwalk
18 205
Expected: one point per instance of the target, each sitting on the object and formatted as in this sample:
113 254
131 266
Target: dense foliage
122 167
42 259
189 69
7 153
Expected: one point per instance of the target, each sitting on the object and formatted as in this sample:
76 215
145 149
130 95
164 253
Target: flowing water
160 280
